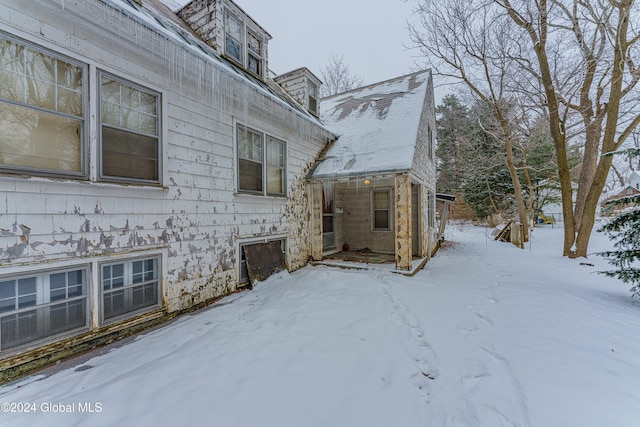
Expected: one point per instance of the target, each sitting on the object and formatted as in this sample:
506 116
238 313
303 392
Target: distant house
146 153
632 188
374 187
633 180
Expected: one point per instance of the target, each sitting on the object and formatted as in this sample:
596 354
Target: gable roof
377 127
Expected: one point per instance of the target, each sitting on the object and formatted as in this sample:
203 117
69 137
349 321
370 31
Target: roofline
355 174
238 6
207 53
299 69
427 70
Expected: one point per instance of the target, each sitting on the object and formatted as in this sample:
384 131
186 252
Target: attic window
234 40
243 45
254 52
313 97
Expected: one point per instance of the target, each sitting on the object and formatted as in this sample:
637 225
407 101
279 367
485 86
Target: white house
146 154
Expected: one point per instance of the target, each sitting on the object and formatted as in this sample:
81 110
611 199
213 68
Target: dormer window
303 86
234 41
254 60
247 54
312 90
232 33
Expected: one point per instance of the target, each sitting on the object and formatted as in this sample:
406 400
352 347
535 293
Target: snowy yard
485 335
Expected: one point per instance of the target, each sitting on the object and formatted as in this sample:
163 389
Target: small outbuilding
373 188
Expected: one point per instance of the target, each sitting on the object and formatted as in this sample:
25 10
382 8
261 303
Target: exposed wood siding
195 217
424 168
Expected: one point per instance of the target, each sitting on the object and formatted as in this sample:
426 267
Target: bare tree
574 59
473 45
584 60
337 78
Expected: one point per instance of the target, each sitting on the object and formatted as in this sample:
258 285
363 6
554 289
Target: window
276 166
431 209
130 143
328 219
248 54
312 88
381 210
35 307
255 151
249 159
244 274
129 287
234 40
42 111
254 61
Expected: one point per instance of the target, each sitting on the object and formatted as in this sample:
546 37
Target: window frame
100 125
84 120
265 138
259 56
129 285
313 100
227 33
44 303
246 51
373 209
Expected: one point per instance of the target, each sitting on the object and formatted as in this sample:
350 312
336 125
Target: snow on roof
377 127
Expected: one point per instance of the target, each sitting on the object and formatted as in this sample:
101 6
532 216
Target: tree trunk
517 189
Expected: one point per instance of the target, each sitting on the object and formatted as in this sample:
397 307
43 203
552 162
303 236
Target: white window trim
160 105
264 192
86 118
244 63
373 209
43 300
128 261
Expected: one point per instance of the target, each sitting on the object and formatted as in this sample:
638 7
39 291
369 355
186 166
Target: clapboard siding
196 217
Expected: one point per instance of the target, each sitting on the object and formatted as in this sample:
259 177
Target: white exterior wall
196 218
424 168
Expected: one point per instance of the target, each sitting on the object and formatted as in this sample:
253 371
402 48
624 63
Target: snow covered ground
486 335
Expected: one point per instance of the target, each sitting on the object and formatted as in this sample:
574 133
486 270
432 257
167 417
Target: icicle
327 188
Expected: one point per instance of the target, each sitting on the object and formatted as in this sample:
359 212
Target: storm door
328 222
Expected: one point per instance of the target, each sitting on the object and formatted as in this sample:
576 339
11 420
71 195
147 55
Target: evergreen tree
624 229
454 127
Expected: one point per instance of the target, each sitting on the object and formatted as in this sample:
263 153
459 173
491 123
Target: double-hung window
234 38
381 210
129 287
130 129
42 111
34 307
243 45
254 54
261 158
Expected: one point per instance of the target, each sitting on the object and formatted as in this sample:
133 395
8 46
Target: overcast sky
369 34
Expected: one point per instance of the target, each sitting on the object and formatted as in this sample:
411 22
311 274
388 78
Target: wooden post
403 222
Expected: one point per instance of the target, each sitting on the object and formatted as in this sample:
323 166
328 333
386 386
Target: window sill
80 181
261 196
